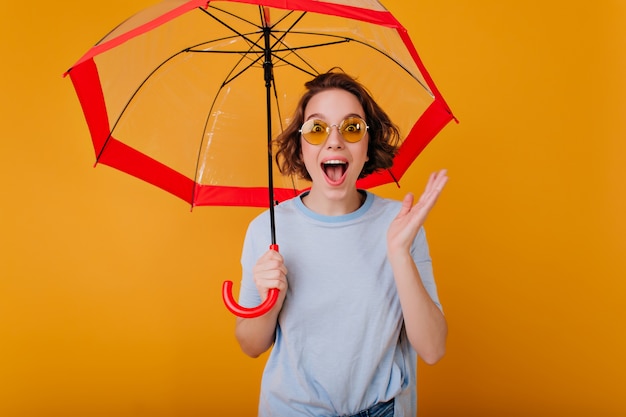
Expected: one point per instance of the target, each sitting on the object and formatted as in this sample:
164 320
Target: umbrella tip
393 177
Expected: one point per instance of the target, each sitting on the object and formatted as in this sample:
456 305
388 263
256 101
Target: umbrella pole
268 75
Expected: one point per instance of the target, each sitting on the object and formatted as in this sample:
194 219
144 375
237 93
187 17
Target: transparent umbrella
187 95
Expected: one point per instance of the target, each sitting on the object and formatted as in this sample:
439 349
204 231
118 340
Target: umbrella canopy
187 95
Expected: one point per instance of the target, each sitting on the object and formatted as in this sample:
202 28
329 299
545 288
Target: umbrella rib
280 41
244 55
342 39
131 98
232 29
253 43
231 14
293 51
239 34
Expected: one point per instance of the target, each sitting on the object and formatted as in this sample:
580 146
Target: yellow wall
109 288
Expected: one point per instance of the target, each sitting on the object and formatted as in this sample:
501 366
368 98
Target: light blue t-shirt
340 343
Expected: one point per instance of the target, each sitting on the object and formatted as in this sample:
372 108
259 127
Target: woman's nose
334 139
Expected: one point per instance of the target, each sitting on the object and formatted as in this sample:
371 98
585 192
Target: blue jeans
377 410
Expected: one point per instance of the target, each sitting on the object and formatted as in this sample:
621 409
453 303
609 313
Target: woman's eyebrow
315 116
321 116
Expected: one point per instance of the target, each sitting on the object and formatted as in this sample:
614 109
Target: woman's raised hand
404 227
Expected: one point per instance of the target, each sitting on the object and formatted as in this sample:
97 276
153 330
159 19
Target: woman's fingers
436 183
270 272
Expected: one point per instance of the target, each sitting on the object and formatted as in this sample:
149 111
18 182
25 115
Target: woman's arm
256 335
425 324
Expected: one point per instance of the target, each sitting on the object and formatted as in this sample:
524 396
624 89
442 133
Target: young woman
358 300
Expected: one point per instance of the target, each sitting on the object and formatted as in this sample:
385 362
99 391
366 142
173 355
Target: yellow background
110 288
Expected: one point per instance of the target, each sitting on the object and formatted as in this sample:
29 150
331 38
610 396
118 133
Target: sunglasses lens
353 129
315 131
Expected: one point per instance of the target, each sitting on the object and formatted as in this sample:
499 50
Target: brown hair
383 134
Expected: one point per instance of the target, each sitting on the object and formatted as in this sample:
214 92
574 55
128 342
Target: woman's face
335 164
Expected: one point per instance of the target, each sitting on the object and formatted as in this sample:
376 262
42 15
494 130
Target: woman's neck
327 205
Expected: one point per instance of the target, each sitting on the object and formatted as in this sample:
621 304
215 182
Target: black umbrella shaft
268 74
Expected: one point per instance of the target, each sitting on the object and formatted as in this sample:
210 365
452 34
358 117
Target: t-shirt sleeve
421 256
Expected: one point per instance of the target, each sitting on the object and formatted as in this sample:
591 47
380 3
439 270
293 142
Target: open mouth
334 169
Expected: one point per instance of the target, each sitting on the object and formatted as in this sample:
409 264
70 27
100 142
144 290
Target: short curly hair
383 133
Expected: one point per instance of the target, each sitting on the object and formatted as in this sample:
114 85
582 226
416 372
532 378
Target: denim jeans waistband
377 410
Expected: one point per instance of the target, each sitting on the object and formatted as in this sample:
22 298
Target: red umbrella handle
247 312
